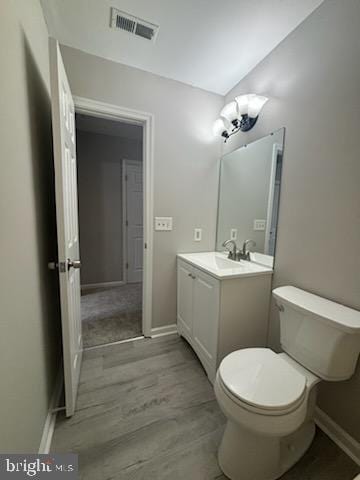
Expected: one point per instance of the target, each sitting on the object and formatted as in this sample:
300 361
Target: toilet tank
321 335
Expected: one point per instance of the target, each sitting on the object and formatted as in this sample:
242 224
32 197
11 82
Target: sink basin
218 265
218 261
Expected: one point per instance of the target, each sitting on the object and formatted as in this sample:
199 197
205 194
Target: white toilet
269 399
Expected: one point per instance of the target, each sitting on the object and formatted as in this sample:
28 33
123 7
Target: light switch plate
233 234
197 234
163 224
259 224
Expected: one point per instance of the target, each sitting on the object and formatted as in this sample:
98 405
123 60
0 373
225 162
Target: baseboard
161 331
49 425
90 286
338 435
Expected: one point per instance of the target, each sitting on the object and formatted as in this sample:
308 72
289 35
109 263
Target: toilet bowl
269 399
269 403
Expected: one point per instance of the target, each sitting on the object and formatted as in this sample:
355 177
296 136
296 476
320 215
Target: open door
68 263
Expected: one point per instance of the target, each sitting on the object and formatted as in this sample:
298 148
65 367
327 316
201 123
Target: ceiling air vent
136 26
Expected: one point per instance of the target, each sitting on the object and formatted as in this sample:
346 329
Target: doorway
101 110
111 229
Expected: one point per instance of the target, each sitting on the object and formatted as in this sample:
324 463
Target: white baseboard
49 425
161 331
90 286
338 435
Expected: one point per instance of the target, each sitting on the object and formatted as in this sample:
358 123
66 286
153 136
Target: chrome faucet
233 252
244 254
237 255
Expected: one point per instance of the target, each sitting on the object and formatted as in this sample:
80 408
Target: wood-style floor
146 411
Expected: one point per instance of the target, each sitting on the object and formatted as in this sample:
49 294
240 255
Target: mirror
249 194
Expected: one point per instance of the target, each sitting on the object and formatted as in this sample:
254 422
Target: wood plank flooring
147 411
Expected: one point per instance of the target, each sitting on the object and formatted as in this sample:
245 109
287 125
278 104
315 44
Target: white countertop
218 265
262 259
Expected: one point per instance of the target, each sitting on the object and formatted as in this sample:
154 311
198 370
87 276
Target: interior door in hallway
134 220
68 262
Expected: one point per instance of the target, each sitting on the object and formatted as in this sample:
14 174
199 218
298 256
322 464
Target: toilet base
244 455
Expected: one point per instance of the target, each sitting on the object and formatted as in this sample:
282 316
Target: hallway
111 314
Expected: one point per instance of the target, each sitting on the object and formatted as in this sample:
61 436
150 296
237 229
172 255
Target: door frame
124 164
94 108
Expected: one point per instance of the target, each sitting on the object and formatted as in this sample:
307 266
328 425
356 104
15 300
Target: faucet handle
233 251
248 242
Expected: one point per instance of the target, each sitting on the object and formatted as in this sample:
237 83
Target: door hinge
126 178
145 245
127 223
127 265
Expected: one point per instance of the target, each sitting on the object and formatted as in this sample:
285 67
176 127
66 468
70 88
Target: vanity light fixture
239 115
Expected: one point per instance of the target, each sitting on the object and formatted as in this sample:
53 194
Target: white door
63 123
134 221
206 314
185 286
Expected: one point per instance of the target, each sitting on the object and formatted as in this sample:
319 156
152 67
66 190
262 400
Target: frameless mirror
249 194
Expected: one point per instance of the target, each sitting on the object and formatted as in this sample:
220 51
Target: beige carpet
111 314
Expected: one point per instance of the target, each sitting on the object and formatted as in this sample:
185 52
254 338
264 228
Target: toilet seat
261 381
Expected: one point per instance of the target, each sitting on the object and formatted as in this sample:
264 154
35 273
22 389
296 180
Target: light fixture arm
239 115
245 124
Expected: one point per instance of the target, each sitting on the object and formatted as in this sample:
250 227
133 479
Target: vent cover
136 26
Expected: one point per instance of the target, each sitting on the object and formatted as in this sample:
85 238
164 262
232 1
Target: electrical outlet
233 234
197 234
163 224
259 224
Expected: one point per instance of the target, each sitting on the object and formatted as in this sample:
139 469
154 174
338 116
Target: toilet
269 399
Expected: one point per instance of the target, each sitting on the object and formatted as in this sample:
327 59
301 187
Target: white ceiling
87 123
210 44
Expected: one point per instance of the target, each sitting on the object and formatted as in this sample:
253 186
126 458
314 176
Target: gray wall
186 158
99 160
29 326
312 79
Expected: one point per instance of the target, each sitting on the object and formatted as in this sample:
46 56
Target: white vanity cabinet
220 315
198 311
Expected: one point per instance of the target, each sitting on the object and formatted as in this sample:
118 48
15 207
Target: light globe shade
243 103
230 111
256 103
219 127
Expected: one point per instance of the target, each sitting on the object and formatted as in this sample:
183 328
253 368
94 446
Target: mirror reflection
249 196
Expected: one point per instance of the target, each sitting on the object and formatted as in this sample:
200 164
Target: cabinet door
206 314
185 297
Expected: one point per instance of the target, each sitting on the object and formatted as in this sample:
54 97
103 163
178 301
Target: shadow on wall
39 108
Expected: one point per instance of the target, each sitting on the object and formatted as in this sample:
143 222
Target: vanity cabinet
218 316
198 311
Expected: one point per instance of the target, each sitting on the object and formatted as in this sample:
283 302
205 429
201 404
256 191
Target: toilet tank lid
343 318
